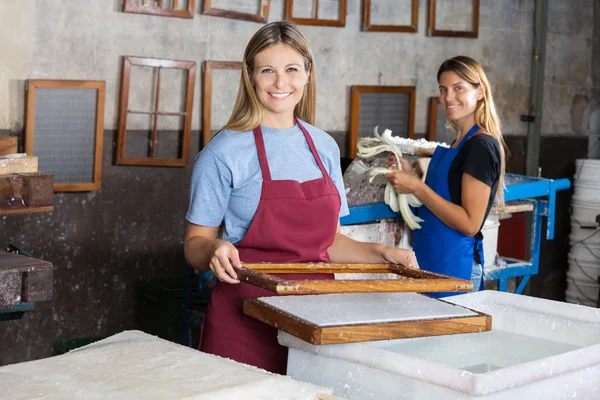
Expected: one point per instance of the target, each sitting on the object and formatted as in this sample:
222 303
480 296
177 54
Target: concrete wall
102 242
53 39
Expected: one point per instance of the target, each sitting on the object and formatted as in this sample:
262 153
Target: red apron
294 222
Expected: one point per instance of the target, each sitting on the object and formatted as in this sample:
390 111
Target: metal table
540 192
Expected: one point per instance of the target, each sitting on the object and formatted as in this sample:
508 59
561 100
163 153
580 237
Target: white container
587 191
584 213
587 236
587 169
582 287
490 239
585 252
575 298
584 271
538 349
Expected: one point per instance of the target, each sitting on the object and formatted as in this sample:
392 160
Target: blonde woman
275 181
462 181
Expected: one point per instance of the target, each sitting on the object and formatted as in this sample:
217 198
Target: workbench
24 281
538 193
134 365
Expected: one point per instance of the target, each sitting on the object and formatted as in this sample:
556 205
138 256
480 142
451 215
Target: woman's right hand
225 258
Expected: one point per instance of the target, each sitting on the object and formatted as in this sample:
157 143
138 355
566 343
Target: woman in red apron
462 181
294 221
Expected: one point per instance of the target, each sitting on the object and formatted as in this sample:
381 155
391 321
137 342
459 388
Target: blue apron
438 247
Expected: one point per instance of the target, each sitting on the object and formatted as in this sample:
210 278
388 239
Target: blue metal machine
518 187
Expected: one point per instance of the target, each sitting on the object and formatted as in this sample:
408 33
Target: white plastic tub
537 349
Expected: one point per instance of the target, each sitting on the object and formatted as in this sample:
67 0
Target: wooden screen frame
159 63
432 119
432 31
289 11
100 87
336 334
368 27
207 69
263 16
420 280
131 6
355 107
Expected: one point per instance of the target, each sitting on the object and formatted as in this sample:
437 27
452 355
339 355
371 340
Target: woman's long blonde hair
485 112
247 111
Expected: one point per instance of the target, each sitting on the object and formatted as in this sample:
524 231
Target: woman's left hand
403 182
395 255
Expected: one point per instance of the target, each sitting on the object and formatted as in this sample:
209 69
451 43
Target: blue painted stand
519 187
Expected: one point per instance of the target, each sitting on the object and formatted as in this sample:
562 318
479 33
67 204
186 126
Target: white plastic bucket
587 169
582 289
576 298
584 213
587 191
586 253
587 236
584 271
490 239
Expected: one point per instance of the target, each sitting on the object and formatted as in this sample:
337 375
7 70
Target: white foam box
537 349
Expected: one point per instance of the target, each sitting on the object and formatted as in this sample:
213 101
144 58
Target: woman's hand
224 259
403 182
404 164
395 255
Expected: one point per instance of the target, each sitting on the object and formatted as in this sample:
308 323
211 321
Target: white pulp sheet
365 308
134 365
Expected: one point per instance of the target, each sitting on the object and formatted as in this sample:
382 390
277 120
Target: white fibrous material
396 201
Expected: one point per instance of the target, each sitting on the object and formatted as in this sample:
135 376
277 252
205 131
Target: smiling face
458 97
279 78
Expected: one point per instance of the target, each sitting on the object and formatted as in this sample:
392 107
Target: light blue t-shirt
227 180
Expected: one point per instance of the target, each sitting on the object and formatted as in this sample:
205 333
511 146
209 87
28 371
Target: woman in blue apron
462 181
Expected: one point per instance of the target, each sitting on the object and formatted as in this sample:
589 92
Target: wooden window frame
207 71
129 62
419 280
337 334
289 11
355 107
433 31
100 86
131 6
263 16
432 123
368 27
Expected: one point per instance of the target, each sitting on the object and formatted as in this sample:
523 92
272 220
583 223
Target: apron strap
262 153
313 149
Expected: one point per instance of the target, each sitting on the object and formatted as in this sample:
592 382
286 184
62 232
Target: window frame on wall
433 31
134 6
368 27
356 91
207 71
262 16
159 63
341 22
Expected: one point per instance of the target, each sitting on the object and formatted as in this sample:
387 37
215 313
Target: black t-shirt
480 158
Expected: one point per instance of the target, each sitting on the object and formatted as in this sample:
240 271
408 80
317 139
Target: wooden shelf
512 207
26 210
